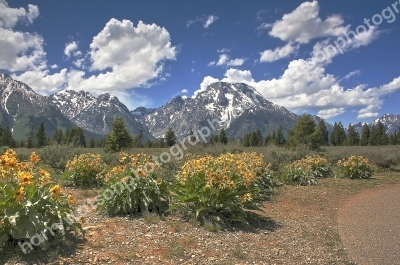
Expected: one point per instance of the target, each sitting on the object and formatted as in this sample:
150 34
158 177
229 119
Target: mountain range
238 107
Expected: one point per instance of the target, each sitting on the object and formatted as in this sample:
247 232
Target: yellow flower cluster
141 163
225 171
23 173
311 162
86 163
355 161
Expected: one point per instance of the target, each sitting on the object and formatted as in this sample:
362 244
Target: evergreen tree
77 137
92 143
170 137
222 137
137 140
383 137
149 143
393 139
41 137
259 138
322 134
374 136
279 138
29 142
268 139
365 134
246 140
398 136
338 135
119 138
302 132
353 138
253 139
58 136
215 138
8 138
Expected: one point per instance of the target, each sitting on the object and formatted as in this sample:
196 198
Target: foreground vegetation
215 186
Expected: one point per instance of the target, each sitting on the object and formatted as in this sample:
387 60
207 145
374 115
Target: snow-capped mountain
142 111
239 108
21 108
390 121
94 114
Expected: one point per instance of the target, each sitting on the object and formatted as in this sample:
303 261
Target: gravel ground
369 224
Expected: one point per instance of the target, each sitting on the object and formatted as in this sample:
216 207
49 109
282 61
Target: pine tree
41 137
353 138
259 138
268 139
322 134
374 136
119 138
58 136
222 137
246 140
393 138
92 143
8 138
365 134
301 133
338 135
279 138
383 138
149 143
170 137
137 140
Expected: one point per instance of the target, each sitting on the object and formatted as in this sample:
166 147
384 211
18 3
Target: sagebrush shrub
384 158
30 201
355 167
57 156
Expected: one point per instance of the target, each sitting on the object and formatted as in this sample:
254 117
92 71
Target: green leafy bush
30 204
355 167
86 170
220 187
134 187
306 171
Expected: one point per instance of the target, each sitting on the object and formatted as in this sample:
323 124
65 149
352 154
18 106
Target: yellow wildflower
34 158
56 191
19 194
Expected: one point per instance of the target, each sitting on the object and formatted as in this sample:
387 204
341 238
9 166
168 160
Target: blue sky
295 53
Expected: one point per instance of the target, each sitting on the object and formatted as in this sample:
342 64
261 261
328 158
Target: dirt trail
369 225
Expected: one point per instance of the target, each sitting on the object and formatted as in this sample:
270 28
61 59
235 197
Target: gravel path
369 225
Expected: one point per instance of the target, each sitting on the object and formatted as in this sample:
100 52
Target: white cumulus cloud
279 53
304 24
71 49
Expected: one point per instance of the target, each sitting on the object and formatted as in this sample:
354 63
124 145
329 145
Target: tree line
305 132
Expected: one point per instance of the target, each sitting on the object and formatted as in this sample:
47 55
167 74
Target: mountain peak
238 107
